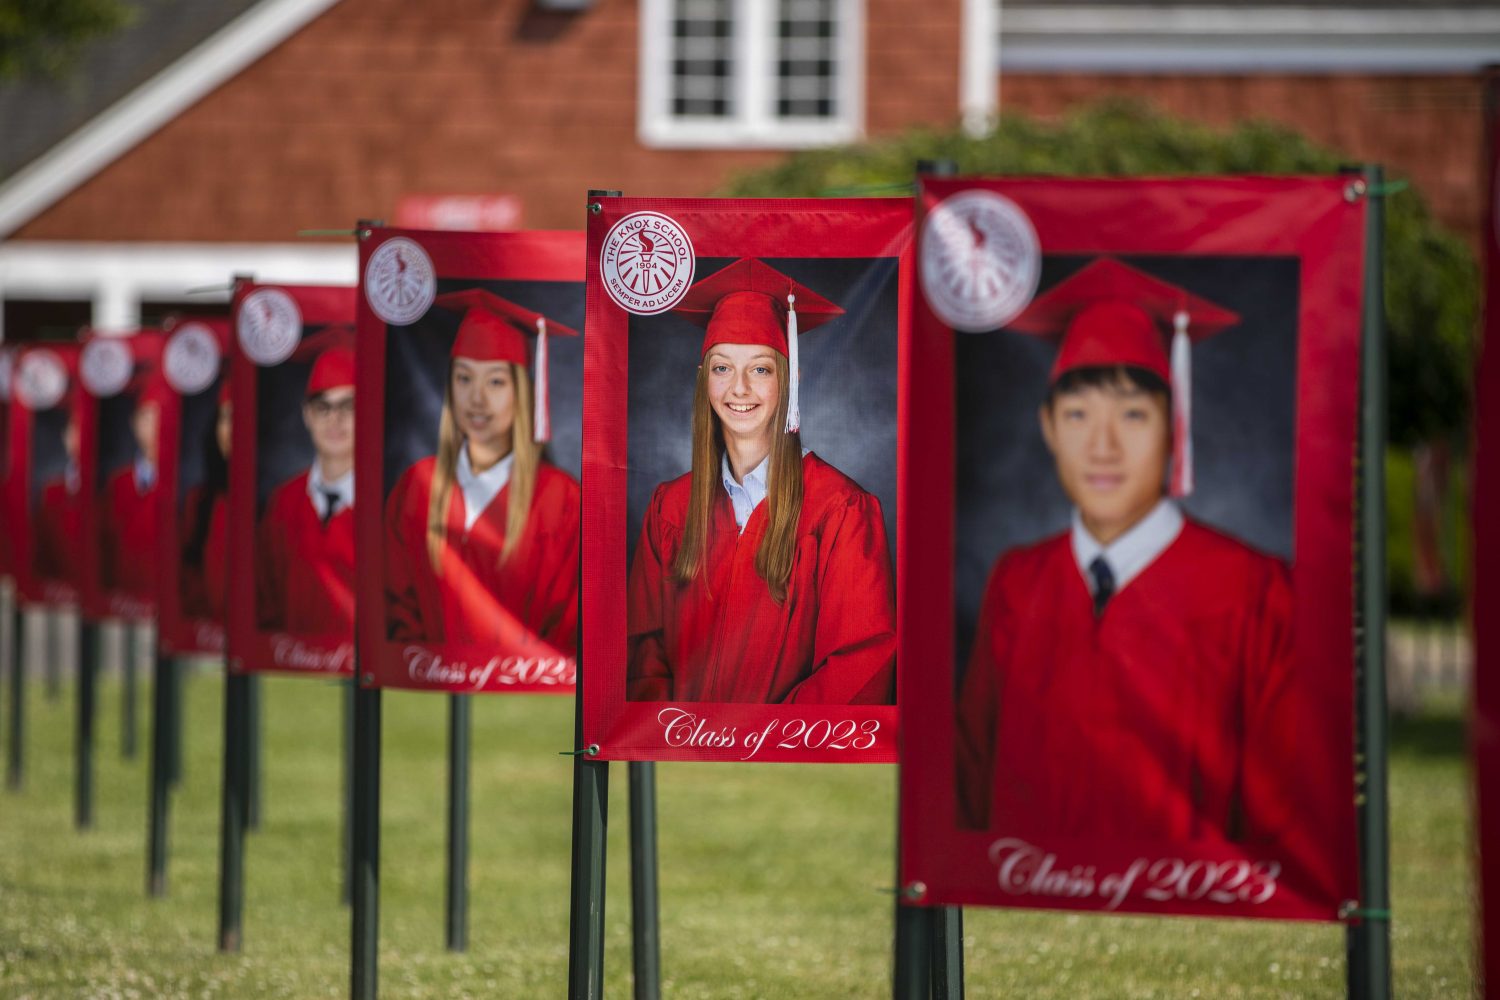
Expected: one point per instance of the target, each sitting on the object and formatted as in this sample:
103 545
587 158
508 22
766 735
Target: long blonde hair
528 455
773 560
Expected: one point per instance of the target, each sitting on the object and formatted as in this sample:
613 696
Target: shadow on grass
1430 733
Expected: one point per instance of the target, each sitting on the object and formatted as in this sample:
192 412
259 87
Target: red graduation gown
1164 718
59 533
722 638
474 598
131 521
304 572
203 586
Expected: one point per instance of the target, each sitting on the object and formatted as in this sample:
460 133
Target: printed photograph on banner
1149 709
762 498
130 394
288 423
754 608
195 472
47 489
477 444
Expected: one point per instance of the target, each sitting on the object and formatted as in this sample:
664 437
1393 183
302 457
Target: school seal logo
980 260
646 263
105 366
269 326
41 380
191 359
400 282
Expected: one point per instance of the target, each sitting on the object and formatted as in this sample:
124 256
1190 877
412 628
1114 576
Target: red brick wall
381 97
1425 128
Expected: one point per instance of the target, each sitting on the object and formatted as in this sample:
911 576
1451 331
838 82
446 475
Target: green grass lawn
771 875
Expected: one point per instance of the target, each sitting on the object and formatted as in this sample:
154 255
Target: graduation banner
291 479
120 461
43 487
1130 589
469 431
7 518
742 388
194 470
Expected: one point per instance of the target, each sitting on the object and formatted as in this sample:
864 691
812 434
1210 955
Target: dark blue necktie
332 500
1104 584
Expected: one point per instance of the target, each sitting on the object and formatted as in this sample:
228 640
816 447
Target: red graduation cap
493 329
1110 314
332 352
750 302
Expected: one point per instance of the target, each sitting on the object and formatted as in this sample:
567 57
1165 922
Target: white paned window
751 72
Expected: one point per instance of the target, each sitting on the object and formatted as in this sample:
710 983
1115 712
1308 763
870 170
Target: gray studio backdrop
848 387
1243 412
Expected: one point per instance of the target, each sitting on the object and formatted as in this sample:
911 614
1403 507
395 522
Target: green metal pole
130 672
88 671
366 846
645 908
948 953
346 811
913 974
459 725
15 744
53 666
156 832
232 817
253 703
1369 941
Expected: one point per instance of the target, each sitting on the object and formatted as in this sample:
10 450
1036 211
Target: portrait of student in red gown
481 538
1132 672
202 521
128 474
59 539
763 573
304 556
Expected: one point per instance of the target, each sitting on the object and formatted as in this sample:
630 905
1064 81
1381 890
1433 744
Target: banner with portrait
470 444
291 479
193 536
742 380
120 462
1131 589
7 518
43 486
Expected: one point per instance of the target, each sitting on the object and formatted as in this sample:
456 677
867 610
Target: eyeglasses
322 409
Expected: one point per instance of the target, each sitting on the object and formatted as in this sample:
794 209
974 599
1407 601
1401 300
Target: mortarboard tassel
541 424
793 407
1182 397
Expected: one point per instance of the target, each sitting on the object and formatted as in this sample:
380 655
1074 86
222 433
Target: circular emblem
647 263
105 366
191 359
400 282
41 380
269 326
980 260
7 366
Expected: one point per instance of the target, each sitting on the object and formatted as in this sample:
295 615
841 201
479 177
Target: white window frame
755 123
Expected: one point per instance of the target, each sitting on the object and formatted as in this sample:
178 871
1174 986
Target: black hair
1111 377
215 485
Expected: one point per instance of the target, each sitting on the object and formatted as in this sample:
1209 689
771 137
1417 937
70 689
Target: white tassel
1182 403
541 425
793 406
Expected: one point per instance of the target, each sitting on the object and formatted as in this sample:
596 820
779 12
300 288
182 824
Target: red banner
735 610
193 555
291 486
120 435
1486 610
1130 586
470 375
43 486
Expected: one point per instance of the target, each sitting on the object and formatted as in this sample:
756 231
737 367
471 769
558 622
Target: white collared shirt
745 497
481 488
1133 551
317 486
145 474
